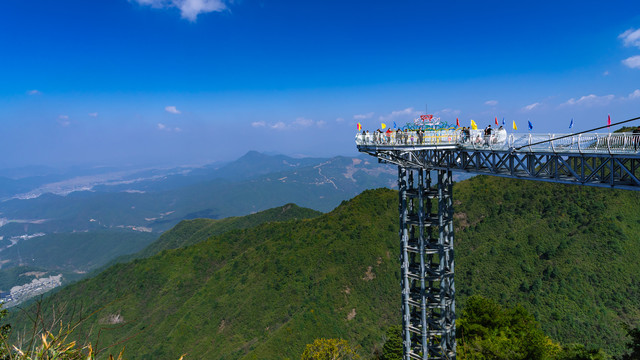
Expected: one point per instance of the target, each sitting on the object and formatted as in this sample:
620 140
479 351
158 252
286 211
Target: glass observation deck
607 143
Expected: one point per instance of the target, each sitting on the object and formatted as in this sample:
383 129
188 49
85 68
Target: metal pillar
426 235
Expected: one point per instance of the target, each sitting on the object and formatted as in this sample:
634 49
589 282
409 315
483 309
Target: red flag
608 120
496 121
457 122
359 127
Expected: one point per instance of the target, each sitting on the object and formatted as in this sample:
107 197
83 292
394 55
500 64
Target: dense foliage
329 349
567 253
488 331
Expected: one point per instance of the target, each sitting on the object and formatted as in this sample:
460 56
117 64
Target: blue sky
193 81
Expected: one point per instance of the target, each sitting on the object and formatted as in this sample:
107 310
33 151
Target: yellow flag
514 125
474 126
383 125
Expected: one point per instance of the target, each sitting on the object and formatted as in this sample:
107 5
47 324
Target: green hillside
567 253
189 232
255 293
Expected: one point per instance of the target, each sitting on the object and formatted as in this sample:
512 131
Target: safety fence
607 143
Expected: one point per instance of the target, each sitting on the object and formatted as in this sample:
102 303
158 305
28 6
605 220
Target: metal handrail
607 143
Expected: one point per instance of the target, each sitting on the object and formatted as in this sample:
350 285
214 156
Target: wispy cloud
531 106
590 100
447 111
634 95
172 109
407 113
297 124
278 126
632 62
363 116
631 37
34 92
303 122
339 119
93 114
163 127
189 9
64 120
491 102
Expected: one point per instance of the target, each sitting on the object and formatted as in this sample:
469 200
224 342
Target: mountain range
55 230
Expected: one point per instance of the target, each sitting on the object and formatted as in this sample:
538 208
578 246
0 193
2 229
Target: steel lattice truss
426 233
605 170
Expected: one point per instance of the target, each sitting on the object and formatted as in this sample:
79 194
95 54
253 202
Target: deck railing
608 143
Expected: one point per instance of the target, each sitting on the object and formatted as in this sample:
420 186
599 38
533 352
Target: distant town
18 294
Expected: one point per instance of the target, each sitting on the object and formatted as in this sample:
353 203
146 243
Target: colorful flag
474 126
359 127
503 122
514 125
530 125
383 125
571 124
608 120
457 122
496 121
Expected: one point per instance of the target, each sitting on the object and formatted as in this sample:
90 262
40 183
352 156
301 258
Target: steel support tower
426 232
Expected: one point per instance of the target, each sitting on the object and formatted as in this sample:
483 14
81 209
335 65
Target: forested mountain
120 213
568 254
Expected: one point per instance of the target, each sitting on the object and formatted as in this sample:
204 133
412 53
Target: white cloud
297 124
634 95
163 127
631 37
448 111
303 122
93 114
406 113
278 126
172 109
34 92
632 62
189 9
591 100
339 119
64 120
491 102
363 116
531 106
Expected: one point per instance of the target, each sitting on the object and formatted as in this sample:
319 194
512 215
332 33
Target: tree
330 349
486 330
392 349
634 345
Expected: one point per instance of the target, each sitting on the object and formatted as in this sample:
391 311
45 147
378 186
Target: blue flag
571 125
530 125
502 121
394 125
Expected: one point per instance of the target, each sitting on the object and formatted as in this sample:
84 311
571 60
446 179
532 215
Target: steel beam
621 171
